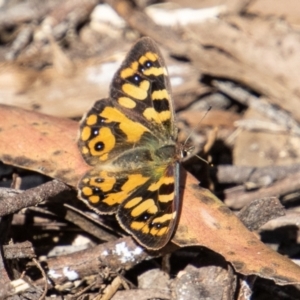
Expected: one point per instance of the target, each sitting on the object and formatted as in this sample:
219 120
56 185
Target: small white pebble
70 274
52 274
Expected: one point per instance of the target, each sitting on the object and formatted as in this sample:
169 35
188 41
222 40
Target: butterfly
130 140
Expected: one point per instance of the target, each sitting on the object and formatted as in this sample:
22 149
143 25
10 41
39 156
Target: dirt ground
234 69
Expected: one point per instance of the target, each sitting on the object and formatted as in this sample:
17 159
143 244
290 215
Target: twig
25 12
123 253
21 41
45 279
237 198
32 197
111 289
228 174
89 224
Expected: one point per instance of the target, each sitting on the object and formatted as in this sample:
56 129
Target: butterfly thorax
149 157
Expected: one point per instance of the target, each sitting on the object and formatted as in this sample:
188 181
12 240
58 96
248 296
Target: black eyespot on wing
96 190
136 79
101 119
99 146
94 132
143 217
147 65
156 225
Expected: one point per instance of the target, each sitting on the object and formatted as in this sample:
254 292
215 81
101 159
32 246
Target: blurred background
233 64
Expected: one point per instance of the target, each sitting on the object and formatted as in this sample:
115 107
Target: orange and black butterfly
130 139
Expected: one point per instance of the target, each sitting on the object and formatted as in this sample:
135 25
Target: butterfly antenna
204 160
195 127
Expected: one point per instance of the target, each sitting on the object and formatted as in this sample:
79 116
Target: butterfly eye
99 180
99 146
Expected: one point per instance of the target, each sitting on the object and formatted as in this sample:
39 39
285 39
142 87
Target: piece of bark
19 251
260 211
33 197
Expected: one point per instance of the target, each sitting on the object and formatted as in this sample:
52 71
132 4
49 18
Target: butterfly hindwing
151 212
105 190
146 202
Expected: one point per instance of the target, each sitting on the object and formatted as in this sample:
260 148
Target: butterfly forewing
142 86
106 132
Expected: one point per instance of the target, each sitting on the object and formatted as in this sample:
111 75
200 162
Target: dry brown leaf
212 224
47 145
40 143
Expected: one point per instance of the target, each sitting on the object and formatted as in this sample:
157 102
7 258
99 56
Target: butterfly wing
146 201
141 86
150 214
106 132
138 113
